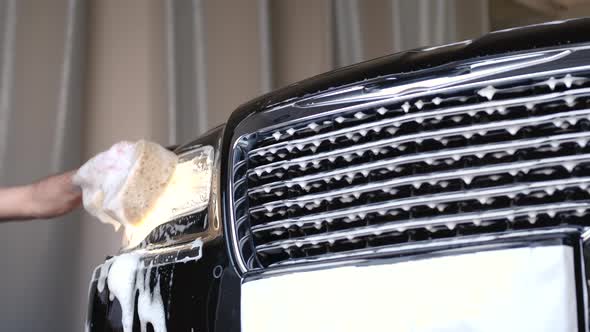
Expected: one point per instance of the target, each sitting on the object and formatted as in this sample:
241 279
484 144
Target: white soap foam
150 307
487 92
125 278
121 282
104 270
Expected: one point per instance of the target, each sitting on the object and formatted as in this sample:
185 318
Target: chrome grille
492 158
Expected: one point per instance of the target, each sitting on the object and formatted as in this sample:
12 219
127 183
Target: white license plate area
517 289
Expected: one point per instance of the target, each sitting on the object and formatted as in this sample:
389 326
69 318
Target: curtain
224 52
40 95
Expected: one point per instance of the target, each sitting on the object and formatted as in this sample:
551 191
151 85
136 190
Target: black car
439 189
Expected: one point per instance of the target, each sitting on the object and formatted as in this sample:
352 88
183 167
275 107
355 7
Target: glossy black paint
192 293
202 298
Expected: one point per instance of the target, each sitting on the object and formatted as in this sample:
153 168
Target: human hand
54 196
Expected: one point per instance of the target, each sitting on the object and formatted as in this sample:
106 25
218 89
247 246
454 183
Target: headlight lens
187 192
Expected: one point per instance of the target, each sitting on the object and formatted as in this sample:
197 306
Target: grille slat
488 107
511 126
451 163
417 246
449 222
481 195
579 138
465 175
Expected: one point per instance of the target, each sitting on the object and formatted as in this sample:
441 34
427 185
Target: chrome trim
431 201
512 126
510 147
364 104
466 175
232 222
448 221
490 107
481 70
405 248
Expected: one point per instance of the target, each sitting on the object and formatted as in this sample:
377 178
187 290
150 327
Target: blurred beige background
77 76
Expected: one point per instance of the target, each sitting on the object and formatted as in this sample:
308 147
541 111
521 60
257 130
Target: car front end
440 189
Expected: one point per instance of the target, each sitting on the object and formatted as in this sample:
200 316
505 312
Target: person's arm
51 197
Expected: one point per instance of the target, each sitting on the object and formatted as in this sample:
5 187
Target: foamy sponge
121 185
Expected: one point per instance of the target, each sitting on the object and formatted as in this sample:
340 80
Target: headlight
187 192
